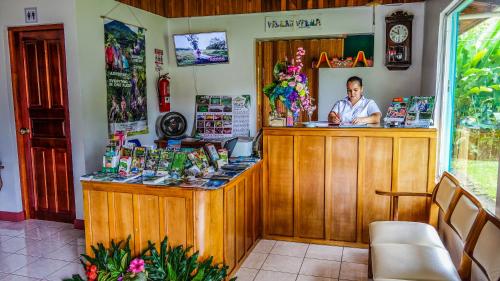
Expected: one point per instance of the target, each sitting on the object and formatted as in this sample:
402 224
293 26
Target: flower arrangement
169 263
290 86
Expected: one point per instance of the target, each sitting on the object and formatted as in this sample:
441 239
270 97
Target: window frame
445 86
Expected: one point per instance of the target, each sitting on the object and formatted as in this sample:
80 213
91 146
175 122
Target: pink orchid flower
136 266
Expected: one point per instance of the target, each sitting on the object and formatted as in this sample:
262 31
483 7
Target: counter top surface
193 184
329 126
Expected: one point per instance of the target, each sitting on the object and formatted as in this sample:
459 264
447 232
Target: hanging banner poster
220 117
125 55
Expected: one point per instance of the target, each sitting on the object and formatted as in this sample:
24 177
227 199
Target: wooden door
42 121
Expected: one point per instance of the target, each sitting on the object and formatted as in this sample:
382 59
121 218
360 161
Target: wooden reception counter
319 183
224 223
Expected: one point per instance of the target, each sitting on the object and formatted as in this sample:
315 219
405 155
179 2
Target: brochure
420 111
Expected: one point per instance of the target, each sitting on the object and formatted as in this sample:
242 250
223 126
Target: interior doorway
271 51
40 95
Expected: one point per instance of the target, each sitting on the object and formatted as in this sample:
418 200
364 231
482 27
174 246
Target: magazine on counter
396 112
420 111
152 160
138 159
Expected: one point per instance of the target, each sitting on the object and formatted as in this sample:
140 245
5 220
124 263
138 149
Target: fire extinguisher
163 87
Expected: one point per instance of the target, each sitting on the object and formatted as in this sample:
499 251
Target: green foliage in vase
175 264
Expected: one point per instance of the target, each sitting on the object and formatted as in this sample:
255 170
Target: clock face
398 33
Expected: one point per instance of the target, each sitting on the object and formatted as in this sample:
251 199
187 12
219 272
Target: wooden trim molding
79 224
11 216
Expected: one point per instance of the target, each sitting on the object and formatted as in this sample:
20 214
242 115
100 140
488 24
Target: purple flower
136 266
120 278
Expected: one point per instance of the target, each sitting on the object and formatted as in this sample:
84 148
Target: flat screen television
201 48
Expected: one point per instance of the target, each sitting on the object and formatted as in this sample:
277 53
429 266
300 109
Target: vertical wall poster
223 116
125 77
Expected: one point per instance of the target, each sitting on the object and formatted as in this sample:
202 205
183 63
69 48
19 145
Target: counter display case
319 183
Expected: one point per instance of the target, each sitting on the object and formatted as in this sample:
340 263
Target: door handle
24 131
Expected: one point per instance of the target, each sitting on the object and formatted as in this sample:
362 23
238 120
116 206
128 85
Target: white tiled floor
286 261
36 250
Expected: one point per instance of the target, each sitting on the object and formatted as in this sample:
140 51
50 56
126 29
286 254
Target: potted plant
168 264
290 86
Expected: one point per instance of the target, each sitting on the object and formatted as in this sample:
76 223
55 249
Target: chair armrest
403 193
395 199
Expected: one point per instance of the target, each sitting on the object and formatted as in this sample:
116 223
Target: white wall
433 10
84 42
238 77
379 83
92 75
12 14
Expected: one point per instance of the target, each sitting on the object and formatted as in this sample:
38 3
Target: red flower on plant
91 272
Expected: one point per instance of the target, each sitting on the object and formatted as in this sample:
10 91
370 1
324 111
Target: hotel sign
293 23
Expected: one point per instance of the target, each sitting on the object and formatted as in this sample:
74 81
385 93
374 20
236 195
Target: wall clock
398 40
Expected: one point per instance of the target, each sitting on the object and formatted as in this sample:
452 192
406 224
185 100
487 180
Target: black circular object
172 124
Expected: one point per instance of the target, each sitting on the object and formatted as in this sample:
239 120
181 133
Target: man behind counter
355 108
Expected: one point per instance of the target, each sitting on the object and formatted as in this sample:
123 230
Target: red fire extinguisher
163 86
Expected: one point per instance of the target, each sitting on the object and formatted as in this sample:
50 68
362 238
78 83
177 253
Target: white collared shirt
347 112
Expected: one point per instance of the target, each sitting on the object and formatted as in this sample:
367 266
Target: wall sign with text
293 23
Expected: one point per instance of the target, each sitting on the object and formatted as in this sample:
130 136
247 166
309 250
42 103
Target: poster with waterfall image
125 55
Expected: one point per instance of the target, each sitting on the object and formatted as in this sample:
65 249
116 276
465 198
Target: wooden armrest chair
481 259
442 195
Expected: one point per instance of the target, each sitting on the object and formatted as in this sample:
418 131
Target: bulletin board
219 117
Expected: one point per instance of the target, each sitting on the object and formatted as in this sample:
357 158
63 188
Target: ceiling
198 8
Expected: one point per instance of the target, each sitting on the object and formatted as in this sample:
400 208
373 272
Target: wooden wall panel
377 162
121 222
310 187
146 221
193 8
342 185
414 157
280 185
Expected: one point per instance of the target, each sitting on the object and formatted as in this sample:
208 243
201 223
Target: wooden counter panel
249 211
121 221
377 174
310 187
342 187
230 226
240 220
329 195
258 203
97 219
147 221
414 157
280 188
175 213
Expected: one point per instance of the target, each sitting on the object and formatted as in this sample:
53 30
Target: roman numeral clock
398 40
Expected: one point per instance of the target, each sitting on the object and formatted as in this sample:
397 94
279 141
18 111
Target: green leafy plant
168 264
176 264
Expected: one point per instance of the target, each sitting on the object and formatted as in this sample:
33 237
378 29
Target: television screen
201 48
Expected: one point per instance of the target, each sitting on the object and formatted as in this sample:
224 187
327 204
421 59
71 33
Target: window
473 102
